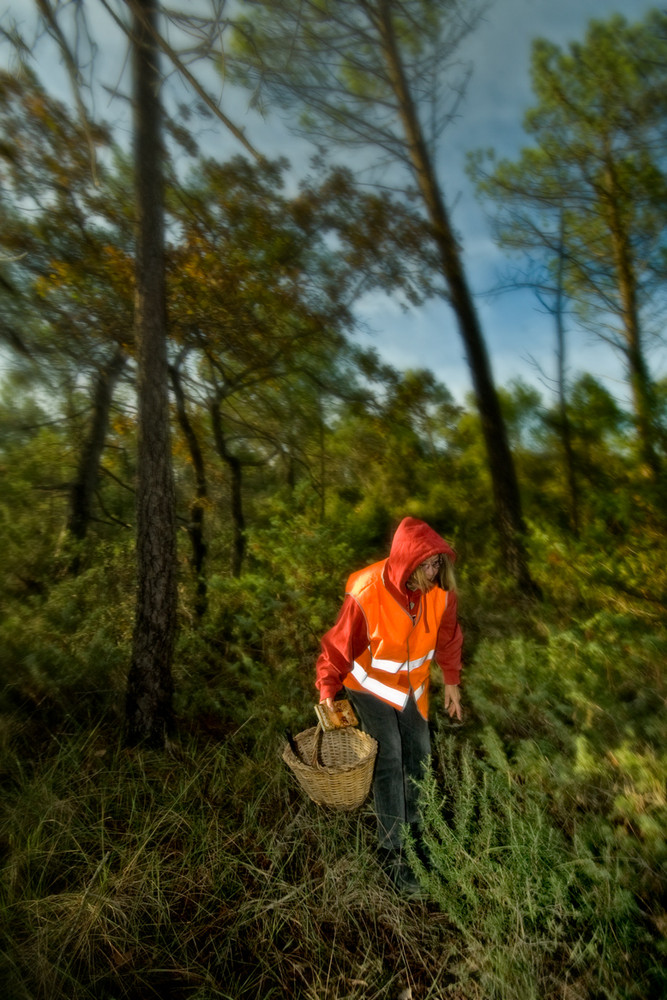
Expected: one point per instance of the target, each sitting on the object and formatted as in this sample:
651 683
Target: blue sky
519 337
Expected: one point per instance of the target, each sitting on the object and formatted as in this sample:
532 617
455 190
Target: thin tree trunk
150 687
236 484
640 381
196 525
87 476
507 501
323 485
563 415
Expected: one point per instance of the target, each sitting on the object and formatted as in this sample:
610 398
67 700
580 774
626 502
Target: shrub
533 914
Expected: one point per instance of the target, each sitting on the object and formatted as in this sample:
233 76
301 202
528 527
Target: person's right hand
453 701
328 702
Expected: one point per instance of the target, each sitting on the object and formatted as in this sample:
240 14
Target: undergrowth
536 913
199 873
204 873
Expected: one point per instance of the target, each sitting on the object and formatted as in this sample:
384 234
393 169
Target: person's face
431 567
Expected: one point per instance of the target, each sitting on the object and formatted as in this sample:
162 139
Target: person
398 616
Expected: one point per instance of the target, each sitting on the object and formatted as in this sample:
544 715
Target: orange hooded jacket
387 636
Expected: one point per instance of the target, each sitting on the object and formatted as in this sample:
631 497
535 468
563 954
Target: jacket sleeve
341 644
449 642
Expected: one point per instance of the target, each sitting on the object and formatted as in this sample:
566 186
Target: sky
519 337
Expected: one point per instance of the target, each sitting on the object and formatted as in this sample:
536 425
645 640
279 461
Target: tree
564 427
261 292
197 505
149 692
148 706
599 428
66 311
371 73
85 482
389 448
590 194
544 274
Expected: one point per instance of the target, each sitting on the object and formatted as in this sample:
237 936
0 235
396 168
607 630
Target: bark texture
235 467
150 686
638 373
564 427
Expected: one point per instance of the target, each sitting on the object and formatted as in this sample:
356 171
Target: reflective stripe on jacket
398 657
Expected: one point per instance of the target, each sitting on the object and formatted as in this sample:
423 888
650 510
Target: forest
196 452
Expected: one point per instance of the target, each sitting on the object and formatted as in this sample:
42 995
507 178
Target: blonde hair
418 579
447 574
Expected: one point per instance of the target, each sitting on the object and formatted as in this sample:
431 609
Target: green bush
533 913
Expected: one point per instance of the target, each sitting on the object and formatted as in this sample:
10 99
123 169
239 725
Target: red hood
413 542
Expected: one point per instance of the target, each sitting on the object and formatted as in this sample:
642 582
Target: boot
400 875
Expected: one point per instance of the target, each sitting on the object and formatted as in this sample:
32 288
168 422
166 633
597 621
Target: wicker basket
336 768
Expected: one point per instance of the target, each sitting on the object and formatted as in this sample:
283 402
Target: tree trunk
640 381
150 685
236 483
196 525
563 416
87 476
323 484
507 501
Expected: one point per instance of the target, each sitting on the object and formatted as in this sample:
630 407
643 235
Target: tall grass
197 874
203 873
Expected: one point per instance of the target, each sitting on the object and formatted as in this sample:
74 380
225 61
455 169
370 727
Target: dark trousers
404 745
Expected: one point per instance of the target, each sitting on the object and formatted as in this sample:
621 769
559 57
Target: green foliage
31 510
204 872
534 915
64 653
254 652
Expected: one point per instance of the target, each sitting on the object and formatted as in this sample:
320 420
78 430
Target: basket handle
315 763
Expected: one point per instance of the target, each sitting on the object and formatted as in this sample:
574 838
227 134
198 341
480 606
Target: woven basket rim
338 786
296 764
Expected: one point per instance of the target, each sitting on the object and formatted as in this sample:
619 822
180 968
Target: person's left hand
453 701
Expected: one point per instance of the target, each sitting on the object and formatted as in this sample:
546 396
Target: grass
203 873
132 874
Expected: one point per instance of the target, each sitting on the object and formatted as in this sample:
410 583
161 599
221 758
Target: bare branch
51 21
180 66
